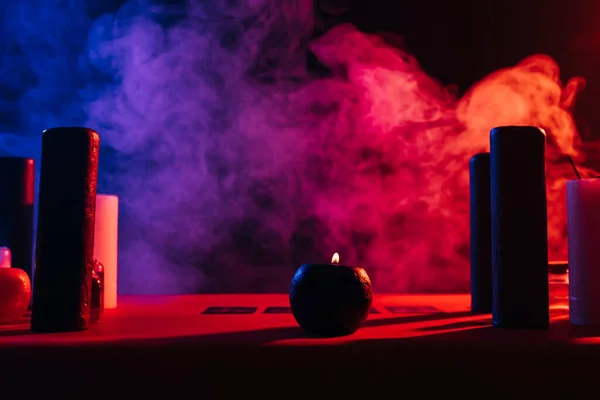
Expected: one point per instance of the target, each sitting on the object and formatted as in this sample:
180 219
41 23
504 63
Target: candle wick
574 167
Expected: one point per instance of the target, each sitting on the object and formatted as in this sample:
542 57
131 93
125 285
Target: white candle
583 225
5 257
106 244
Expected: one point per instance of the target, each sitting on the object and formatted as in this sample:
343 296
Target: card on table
230 310
278 310
288 310
412 309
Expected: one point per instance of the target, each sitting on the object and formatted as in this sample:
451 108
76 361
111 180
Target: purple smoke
235 163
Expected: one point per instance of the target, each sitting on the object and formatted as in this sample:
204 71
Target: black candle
519 228
330 299
65 236
17 187
481 233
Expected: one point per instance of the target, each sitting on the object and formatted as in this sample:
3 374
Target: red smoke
244 165
420 210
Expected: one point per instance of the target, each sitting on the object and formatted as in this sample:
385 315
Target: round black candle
519 228
480 233
17 191
65 234
330 299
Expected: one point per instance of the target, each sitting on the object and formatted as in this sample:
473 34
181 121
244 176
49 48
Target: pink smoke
230 133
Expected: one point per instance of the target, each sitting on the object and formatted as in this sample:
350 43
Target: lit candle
330 299
583 226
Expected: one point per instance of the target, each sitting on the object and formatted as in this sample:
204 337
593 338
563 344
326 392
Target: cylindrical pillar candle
17 191
481 233
106 244
519 228
65 235
583 226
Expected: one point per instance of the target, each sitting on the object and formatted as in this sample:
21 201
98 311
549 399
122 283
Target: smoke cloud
235 163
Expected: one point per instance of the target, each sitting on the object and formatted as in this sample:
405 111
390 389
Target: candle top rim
520 129
107 196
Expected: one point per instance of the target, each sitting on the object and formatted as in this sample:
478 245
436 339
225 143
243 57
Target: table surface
173 317
428 343
418 317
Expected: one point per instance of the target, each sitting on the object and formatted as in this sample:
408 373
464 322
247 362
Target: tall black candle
480 233
65 236
17 190
519 228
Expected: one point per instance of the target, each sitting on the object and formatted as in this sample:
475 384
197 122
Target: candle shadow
482 332
253 337
578 331
15 332
457 325
407 319
263 336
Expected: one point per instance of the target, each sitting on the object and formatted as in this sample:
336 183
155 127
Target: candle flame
335 259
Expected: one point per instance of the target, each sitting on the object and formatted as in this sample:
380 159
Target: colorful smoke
235 163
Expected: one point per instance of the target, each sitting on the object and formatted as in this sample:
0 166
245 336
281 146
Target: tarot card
278 310
230 310
413 309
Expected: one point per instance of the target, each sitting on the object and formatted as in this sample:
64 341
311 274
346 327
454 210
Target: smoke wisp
235 163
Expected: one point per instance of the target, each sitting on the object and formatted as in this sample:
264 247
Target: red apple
15 294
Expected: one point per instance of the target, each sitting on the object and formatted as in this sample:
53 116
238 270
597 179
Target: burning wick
574 167
335 259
